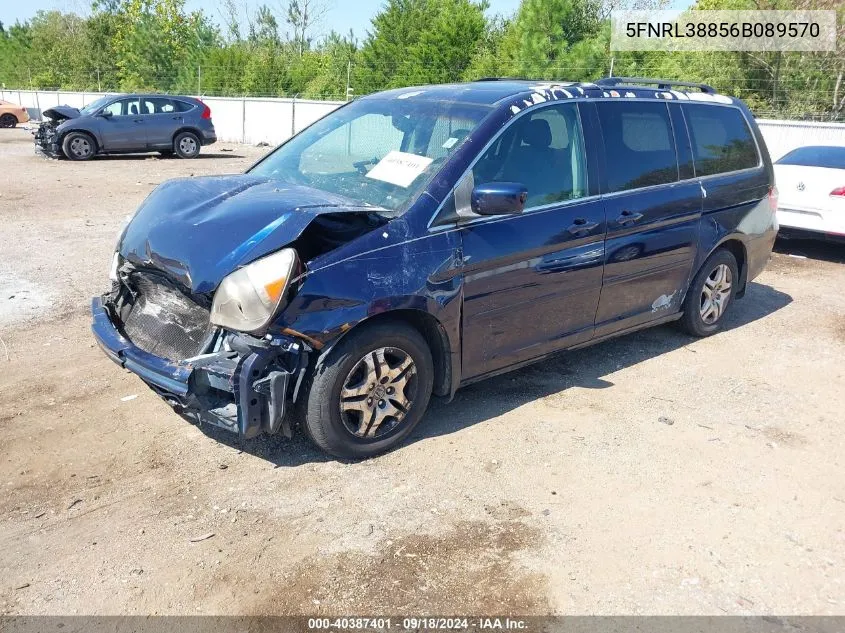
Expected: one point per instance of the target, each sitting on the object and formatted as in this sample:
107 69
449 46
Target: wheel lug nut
390 390
381 403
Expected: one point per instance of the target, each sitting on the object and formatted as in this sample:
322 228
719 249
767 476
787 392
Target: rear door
123 131
653 215
532 281
162 120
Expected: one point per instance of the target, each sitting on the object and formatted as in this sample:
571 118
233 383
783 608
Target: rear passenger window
544 151
721 139
639 146
156 105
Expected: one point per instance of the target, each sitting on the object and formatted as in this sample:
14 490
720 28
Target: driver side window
122 107
543 150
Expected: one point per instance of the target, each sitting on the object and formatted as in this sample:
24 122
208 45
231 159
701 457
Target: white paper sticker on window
450 142
399 168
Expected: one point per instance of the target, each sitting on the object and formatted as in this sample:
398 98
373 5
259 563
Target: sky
341 15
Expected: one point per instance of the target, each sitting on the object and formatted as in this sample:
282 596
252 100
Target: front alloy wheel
78 146
368 393
378 392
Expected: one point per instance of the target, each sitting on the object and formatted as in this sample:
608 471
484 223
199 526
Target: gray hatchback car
121 124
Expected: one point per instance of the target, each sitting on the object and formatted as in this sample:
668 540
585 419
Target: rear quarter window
182 106
721 139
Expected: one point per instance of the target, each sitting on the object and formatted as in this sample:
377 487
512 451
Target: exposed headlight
249 298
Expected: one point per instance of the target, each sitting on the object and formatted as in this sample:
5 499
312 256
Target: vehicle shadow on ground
584 368
496 396
202 155
833 252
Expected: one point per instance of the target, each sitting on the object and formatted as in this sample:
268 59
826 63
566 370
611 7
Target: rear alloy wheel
8 120
716 294
186 145
78 146
370 392
710 294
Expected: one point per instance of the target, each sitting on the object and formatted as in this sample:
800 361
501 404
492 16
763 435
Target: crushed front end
47 138
47 134
236 381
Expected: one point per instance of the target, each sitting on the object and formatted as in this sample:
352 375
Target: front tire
710 295
8 120
79 146
370 392
186 145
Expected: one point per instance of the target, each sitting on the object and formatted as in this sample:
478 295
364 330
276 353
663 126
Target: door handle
580 225
629 217
138 120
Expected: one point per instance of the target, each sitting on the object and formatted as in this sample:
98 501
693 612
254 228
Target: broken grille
163 321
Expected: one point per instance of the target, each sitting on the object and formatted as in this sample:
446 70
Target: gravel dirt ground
652 474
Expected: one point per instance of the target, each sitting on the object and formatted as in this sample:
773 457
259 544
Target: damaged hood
198 230
60 113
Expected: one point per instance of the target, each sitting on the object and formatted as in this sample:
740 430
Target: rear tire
710 295
79 146
186 145
356 406
8 120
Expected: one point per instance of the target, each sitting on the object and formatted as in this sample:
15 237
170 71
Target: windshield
816 156
379 152
95 105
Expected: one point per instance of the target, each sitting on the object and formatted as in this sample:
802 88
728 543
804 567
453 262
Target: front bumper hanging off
246 390
46 139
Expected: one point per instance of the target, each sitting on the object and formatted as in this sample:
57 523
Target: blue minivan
420 239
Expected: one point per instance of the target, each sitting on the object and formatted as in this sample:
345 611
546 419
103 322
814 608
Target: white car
811 187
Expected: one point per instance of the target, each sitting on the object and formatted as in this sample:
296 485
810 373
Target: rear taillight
838 192
773 198
206 111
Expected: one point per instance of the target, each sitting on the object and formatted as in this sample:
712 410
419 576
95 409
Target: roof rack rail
662 84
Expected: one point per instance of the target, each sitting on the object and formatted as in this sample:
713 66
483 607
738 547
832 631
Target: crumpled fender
384 275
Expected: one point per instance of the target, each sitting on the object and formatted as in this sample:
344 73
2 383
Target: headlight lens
249 298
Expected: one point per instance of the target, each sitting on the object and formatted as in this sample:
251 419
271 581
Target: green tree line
158 45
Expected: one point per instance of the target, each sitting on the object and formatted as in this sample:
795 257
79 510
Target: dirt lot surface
653 474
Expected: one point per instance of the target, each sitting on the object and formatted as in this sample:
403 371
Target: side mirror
106 114
498 198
